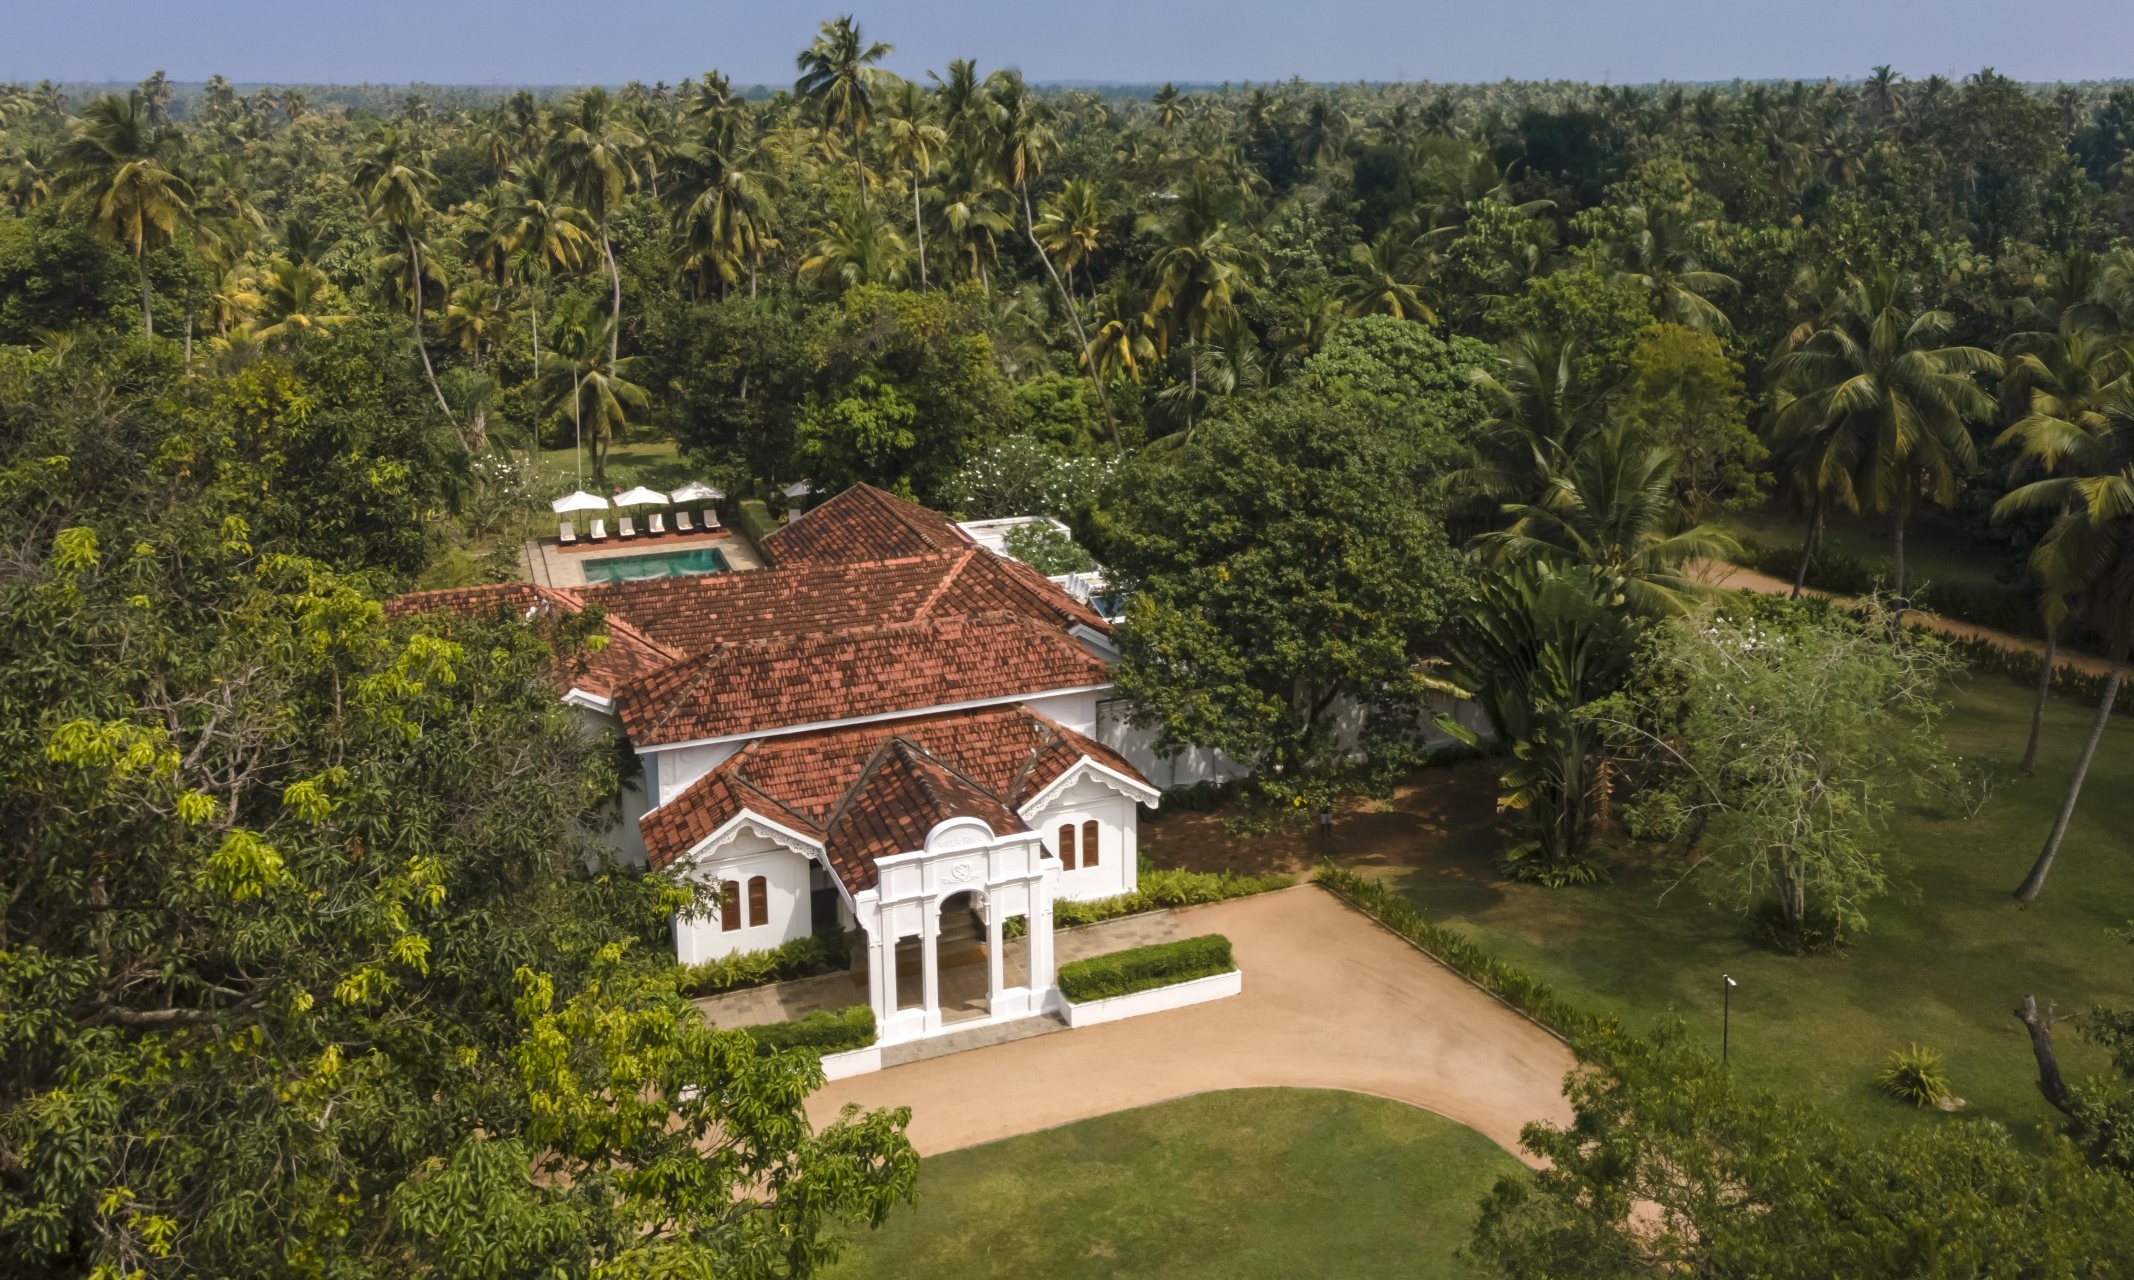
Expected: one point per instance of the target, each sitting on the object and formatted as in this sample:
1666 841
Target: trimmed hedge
822 1031
754 520
2021 665
1161 964
800 958
1161 889
1462 955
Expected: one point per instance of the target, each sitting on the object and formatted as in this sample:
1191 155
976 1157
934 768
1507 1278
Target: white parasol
696 491
579 501
641 497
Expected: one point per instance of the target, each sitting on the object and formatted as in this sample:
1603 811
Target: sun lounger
600 530
681 523
656 526
711 519
568 535
624 528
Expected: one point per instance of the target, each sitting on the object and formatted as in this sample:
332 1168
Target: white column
930 961
881 968
1041 975
995 960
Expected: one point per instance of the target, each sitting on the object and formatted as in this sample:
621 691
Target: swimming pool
665 564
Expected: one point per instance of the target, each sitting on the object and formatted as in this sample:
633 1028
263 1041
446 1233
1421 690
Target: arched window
729 906
1089 843
759 901
1067 845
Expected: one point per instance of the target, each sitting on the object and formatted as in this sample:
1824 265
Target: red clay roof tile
824 784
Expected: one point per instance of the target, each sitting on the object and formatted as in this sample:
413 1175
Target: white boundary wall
1157 999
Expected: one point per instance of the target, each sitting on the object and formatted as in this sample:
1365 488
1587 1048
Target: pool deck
549 564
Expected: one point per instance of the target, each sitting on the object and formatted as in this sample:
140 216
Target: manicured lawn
653 459
1948 955
1937 548
1227 1186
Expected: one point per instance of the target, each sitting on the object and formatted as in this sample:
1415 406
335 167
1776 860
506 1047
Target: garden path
1331 1001
1733 577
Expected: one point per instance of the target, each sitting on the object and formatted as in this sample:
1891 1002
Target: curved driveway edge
1331 1001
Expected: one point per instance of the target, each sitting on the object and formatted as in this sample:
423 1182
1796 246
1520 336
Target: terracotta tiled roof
861 524
839 675
629 654
836 786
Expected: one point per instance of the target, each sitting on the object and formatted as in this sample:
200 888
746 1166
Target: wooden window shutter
729 906
1089 843
1067 845
759 901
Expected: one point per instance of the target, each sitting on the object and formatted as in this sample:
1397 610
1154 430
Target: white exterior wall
748 854
1118 823
1188 766
624 836
677 767
1077 711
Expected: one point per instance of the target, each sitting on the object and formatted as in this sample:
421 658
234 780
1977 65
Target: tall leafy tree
119 166
838 78
1892 399
2087 555
394 186
914 141
595 152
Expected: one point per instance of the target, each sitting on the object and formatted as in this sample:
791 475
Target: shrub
1162 964
755 520
1915 1075
1161 889
800 958
1462 955
822 1031
2021 665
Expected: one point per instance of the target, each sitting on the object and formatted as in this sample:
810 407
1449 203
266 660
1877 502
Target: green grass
1227 1186
1948 955
650 459
1936 546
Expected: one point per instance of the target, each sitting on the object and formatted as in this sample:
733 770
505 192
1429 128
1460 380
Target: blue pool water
665 564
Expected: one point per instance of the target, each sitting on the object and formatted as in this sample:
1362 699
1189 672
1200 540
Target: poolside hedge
1462 955
755 521
1160 964
822 1031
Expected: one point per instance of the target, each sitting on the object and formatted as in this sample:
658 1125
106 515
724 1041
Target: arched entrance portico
942 911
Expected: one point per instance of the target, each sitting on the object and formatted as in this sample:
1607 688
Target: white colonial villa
891 730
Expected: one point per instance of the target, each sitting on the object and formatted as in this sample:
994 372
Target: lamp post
1726 1015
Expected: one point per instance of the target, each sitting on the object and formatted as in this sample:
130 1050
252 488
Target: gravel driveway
1331 1001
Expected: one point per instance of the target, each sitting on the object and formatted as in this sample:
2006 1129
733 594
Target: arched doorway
961 958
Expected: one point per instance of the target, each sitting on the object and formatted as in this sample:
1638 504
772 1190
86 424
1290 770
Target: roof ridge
926 606
1030 757
859 784
704 665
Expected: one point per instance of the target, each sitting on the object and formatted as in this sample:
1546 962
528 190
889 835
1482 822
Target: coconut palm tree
26 177
1392 271
394 187
1610 509
293 301
577 372
971 213
1022 140
121 169
915 141
2088 555
1541 412
1653 252
2073 387
474 320
1127 335
1308 318
1200 269
595 155
838 79
1071 224
721 201
857 247
1878 380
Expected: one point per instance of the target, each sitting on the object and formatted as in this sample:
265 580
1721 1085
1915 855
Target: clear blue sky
609 41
